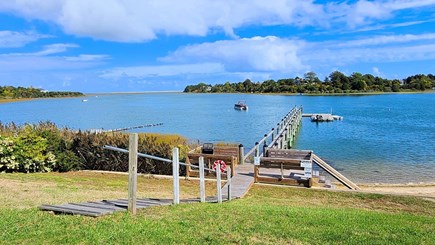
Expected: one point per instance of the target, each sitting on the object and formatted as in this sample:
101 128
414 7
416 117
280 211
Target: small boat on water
241 105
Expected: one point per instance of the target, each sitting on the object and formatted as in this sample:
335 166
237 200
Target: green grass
267 215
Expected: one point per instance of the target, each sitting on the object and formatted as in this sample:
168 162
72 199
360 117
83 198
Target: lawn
267 215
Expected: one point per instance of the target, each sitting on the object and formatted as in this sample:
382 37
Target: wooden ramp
104 207
241 182
334 173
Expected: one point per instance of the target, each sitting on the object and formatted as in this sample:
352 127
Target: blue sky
140 45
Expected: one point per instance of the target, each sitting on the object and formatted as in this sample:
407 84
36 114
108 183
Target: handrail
289 118
108 147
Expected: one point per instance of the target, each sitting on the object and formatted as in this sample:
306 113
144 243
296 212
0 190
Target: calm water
383 138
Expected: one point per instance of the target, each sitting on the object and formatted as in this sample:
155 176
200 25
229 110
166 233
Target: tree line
336 82
10 92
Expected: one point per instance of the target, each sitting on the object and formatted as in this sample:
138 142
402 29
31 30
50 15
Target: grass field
267 215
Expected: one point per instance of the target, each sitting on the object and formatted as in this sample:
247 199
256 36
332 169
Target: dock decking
104 207
241 182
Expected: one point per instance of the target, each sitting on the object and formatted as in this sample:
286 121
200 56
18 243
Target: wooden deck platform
99 208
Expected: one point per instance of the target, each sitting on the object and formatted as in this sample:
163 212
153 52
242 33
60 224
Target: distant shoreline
13 100
137 92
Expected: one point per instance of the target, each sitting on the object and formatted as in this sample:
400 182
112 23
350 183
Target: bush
44 147
27 152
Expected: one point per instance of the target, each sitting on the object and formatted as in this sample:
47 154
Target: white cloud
55 49
161 70
48 50
44 60
137 20
284 56
13 39
246 54
87 57
376 72
388 39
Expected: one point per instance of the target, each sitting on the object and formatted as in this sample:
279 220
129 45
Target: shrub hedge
45 147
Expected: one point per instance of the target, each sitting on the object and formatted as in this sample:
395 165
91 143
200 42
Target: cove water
387 138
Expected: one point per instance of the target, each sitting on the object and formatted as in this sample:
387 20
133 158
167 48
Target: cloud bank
138 21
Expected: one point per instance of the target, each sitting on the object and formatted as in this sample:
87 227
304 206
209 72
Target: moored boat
241 105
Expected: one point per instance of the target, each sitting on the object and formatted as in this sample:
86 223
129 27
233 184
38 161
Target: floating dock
322 117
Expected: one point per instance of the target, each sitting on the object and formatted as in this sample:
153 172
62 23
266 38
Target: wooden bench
283 160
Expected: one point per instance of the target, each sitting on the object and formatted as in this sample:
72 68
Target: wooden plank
122 203
84 208
99 206
285 161
67 210
151 201
285 181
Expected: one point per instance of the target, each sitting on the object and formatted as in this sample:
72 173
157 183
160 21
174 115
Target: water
383 138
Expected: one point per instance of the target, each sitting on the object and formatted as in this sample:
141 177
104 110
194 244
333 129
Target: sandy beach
426 191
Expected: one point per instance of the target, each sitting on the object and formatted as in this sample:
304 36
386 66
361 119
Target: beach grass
267 215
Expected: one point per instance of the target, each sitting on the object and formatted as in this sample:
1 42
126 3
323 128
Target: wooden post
188 168
218 183
265 149
229 175
201 179
176 175
265 145
273 134
241 154
256 173
132 172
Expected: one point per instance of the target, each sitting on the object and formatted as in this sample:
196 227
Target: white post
201 179
229 182
176 175
218 183
132 172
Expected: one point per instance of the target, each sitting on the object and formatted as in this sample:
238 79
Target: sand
426 191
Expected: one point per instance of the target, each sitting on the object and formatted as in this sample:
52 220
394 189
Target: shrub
44 147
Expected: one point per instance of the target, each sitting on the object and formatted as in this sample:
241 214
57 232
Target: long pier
277 154
281 137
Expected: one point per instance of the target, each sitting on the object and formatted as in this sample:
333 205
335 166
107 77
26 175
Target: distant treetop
336 82
10 92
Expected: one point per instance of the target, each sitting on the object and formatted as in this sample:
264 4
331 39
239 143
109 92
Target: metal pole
201 179
176 175
132 172
241 154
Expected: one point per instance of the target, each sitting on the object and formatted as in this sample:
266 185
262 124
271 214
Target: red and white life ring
222 163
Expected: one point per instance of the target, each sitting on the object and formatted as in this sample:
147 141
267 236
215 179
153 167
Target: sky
165 45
